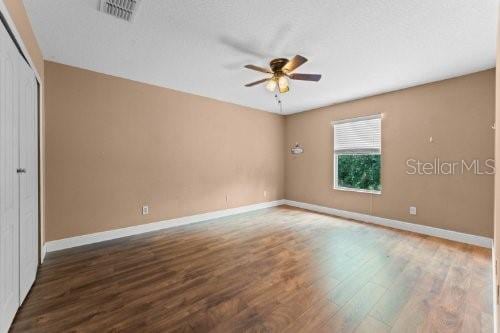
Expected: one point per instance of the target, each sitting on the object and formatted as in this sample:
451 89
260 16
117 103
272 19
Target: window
356 154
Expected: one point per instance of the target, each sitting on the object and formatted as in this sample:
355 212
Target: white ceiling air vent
123 9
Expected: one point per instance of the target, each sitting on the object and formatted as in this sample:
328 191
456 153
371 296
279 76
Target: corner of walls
18 20
285 154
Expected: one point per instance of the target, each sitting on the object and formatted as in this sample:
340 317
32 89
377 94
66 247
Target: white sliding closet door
9 181
28 180
18 179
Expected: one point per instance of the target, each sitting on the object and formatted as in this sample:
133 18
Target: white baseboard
66 243
417 228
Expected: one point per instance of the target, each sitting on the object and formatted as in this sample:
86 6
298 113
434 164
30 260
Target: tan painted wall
496 239
18 14
114 145
458 114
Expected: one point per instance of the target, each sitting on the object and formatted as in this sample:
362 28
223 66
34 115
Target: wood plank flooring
274 270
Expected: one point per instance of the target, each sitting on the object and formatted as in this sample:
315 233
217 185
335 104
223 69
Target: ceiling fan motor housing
278 64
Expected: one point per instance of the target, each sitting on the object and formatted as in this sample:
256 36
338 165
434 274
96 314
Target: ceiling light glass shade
283 84
271 85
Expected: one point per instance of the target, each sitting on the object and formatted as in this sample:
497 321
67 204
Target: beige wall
458 114
496 239
18 14
114 145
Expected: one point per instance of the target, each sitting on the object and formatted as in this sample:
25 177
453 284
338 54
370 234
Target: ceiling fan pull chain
278 100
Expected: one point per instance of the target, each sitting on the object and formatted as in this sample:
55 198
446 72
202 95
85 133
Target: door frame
7 21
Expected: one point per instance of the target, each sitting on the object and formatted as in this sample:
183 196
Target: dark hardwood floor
279 269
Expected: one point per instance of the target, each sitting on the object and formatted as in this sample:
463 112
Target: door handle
21 170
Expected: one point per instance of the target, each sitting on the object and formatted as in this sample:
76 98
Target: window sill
347 189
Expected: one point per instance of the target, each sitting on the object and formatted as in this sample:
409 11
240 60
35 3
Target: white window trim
350 120
336 154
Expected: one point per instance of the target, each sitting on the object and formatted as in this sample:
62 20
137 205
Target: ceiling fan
281 70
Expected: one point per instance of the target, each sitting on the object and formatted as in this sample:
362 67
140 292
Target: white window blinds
357 135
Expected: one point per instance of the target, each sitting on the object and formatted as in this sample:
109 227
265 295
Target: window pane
359 171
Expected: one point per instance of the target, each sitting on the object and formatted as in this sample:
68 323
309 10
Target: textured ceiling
361 47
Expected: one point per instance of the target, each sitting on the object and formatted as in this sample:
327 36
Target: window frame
355 152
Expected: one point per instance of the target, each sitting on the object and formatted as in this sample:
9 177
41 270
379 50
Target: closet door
9 181
28 179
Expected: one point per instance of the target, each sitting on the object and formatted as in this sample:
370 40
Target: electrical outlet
265 194
145 210
413 210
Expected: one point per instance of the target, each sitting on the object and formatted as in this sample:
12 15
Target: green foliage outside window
359 171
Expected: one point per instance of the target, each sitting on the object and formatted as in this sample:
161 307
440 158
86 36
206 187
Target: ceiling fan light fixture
281 70
283 84
271 85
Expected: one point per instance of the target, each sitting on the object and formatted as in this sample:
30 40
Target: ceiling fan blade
294 63
255 83
305 77
259 69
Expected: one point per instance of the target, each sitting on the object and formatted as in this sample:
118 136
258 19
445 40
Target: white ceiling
361 47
